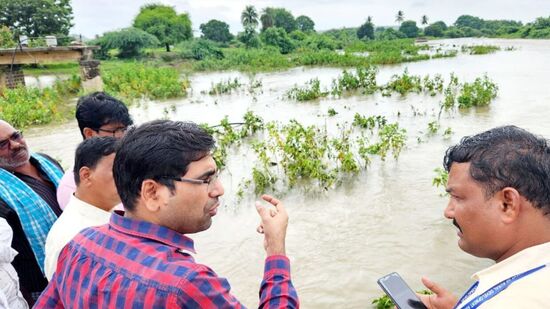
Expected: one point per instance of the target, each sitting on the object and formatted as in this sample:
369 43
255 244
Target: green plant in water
392 138
332 112
433 86
364 78
441 178
433 127
369 122
311 91
134 80
480 49
225 87
403 84
478 93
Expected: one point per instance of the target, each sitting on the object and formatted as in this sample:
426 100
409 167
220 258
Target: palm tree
249 17
267 18
369 19
424 20
400 17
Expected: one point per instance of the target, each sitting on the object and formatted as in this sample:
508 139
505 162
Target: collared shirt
136 264
66 188
28 270
77 216
530 291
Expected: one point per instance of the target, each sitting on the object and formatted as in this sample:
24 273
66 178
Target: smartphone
399 292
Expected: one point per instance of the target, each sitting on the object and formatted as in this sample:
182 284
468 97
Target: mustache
456 224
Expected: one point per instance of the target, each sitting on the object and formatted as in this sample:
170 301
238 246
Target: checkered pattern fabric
130 263
35 214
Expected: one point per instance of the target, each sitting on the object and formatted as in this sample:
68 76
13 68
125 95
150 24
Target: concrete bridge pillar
90 75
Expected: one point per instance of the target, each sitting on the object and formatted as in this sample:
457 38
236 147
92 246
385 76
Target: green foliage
316 42
129 42
249 38
24 107
249 18
200 49
305 24
478 93
364 78
37 18
216 30
436 29
6 38
441 178
224 87
409 28
392 138
278 17
480 49
383 302
331 112
366 30
370 122
469 21
134 80
163 22
275 36
311 91
391 34
403 84
433 127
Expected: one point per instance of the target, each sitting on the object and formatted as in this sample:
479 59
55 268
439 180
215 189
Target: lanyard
493 291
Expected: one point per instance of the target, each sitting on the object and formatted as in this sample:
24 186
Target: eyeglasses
15 136
115 132
209 182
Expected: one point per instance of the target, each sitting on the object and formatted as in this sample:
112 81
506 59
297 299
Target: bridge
11 59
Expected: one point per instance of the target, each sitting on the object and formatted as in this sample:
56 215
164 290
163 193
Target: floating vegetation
134 81
433 127
331 112
291 154
479 49
440 179
24 107
311 91
478 93
403 84
225 87
364 79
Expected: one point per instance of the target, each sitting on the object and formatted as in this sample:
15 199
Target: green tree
278 37
249 38
267 18
37 18
469 21
6 38
128 42
216 30
249 17
366 30
278 17
409 28
436 29
163 22
305 23
400 17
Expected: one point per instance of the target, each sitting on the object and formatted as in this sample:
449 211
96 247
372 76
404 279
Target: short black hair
90 152
99 108
507 156
157 150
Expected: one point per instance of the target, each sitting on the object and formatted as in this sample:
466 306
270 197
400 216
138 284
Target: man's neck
88 198
28 169
535 232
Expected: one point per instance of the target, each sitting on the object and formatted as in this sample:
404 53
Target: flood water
390 218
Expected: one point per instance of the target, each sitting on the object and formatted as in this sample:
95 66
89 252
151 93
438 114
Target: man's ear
511 204
153 195
88 132
84 174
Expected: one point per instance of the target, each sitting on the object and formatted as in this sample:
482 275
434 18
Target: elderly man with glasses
28 183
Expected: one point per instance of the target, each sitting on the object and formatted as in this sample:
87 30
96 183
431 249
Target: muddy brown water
390 217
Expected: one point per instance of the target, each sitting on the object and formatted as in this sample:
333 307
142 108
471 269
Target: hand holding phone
399 292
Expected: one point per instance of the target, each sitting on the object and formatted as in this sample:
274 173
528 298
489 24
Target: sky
94 17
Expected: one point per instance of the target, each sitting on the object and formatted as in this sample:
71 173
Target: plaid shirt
136 264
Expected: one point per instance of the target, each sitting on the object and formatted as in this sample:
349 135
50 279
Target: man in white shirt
10 296
93 200
499 187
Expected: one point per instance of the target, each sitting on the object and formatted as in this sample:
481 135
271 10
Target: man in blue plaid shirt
28 183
